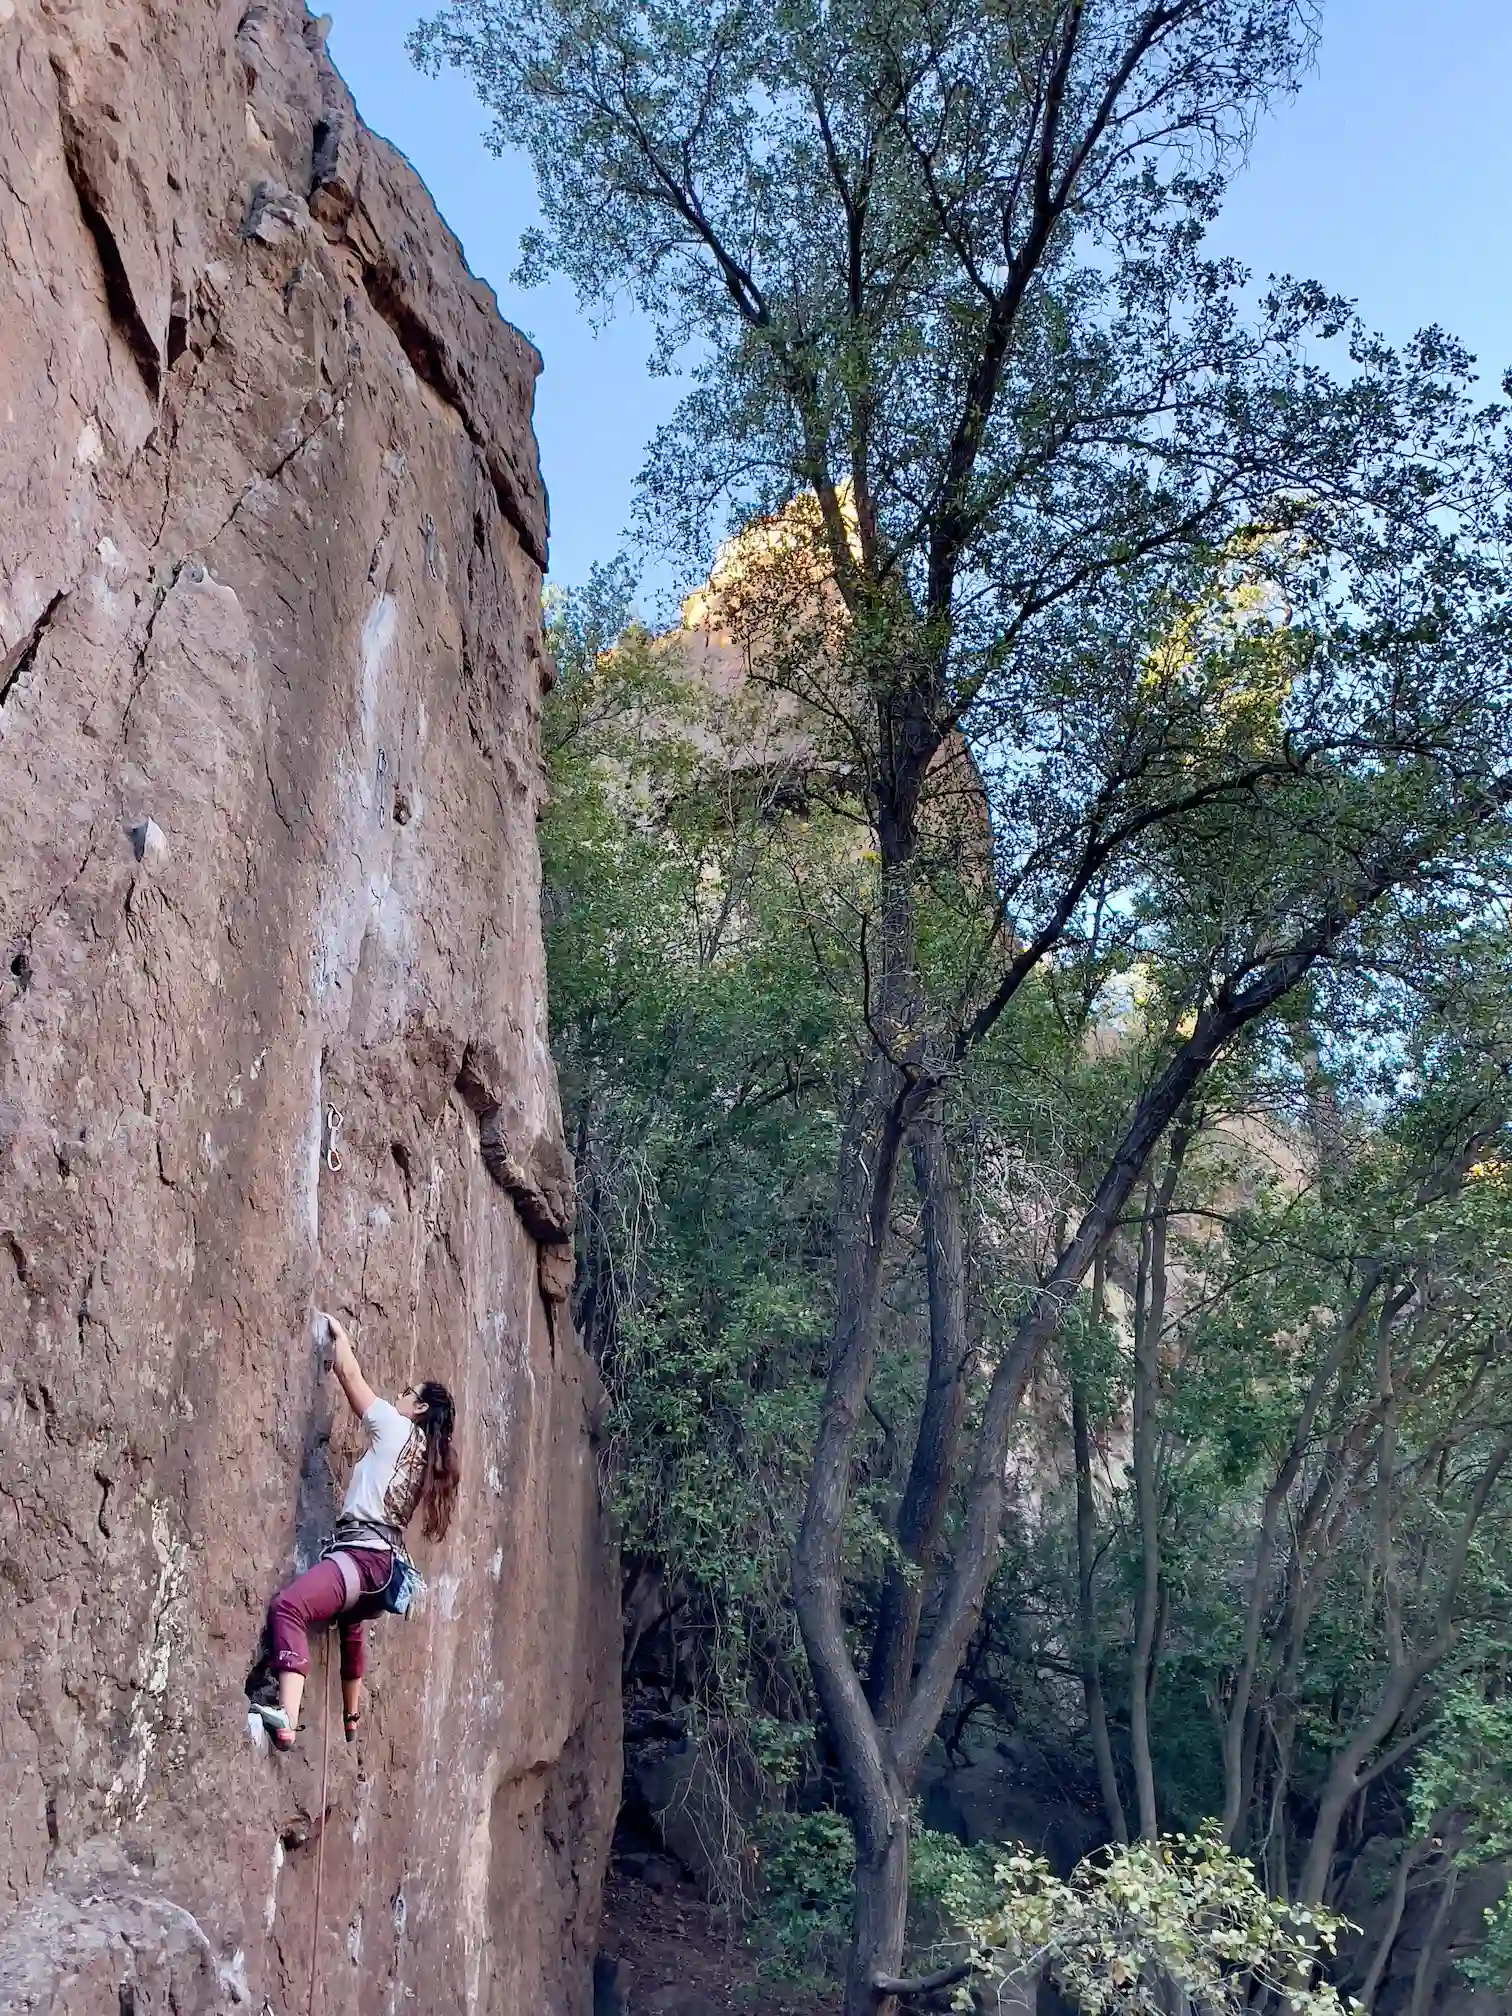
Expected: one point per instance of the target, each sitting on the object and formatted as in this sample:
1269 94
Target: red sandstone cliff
270 554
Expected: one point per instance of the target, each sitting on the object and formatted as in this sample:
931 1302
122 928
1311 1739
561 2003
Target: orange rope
325 1771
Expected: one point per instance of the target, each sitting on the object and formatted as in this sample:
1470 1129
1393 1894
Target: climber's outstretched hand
360 1396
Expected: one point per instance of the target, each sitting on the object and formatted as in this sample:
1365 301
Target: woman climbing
408 1465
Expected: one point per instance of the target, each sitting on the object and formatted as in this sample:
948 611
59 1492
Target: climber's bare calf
409 1464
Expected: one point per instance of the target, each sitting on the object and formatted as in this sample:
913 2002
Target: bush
807 1862
1135 1929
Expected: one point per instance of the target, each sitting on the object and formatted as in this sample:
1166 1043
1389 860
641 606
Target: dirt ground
666 1937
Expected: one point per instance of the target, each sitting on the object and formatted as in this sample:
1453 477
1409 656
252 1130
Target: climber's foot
349 1724
280 1729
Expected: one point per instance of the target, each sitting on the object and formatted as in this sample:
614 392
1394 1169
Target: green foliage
1196 604
1462 1790
696 1044
807 1863
1132 1925
955 1880
702 938
1464 1770
1491 1966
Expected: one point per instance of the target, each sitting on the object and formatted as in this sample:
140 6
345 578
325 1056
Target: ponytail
438 1494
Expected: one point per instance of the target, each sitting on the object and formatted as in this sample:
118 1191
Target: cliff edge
272 1033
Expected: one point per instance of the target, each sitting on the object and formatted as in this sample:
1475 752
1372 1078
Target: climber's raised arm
360 1396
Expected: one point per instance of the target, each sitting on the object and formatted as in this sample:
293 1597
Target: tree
1318 1483
940 271
1178 1921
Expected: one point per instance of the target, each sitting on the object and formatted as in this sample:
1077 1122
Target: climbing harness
325 1770
334 1125
399 1593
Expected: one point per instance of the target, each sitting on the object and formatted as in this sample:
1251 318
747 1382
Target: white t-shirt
387 1479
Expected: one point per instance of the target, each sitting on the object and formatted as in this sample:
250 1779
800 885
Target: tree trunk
1277 1857
1147 1525
881 1915
1149 1327
1086 1595
1249 1761
870 1155
921 1513
892 1093
1236 1734
1407 1861
1431 1959
1313 1887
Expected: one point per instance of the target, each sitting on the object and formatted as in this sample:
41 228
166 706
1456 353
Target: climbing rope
325 1772
424 1234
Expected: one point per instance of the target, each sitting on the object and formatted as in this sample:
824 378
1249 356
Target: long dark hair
443 1473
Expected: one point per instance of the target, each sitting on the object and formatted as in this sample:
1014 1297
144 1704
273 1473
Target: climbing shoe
349 1725
280 1729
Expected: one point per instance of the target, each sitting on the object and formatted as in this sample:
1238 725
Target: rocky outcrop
272 1034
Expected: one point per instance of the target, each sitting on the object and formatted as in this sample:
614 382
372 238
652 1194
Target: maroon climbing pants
321 1596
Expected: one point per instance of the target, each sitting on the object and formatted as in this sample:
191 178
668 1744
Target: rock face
272 1034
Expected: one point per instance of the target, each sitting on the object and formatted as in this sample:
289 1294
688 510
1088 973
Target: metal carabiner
333 1128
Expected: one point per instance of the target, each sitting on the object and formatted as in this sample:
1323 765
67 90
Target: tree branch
912 1986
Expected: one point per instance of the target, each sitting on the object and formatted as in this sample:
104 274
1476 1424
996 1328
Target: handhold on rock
556 1266
323 1336
149 842
273 213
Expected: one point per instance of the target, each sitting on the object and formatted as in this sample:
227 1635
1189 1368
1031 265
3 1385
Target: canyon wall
272 1034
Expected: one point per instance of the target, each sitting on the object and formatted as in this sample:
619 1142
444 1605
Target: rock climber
409 1465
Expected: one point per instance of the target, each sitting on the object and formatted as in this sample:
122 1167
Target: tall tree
1334 1448
939 270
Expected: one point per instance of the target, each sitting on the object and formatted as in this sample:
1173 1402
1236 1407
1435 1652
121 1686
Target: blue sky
1389 179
